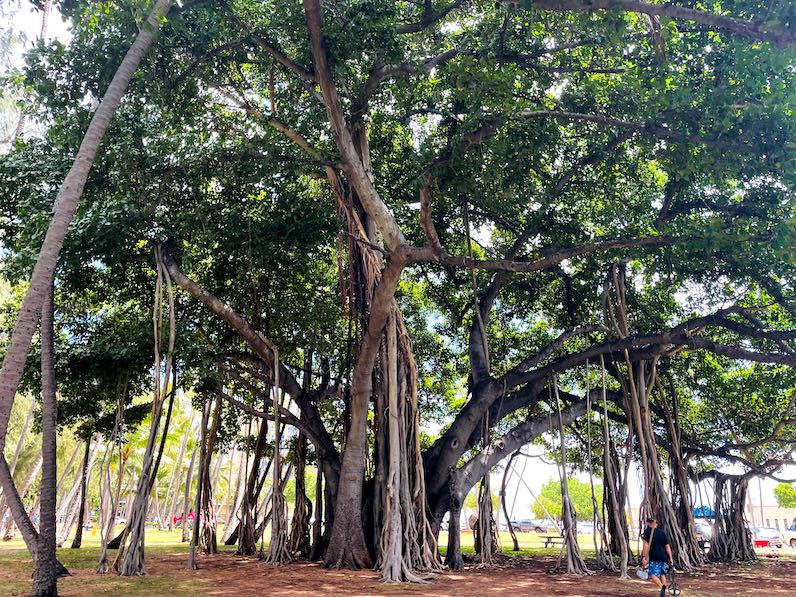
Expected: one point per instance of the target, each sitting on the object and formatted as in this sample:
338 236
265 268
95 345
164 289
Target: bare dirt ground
234 576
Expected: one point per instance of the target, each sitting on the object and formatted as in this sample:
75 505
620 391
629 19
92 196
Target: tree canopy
486 219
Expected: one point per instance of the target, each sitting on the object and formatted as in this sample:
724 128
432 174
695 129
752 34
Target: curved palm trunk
78 539
20 444
65 206
8 531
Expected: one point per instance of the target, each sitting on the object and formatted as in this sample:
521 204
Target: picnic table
552 540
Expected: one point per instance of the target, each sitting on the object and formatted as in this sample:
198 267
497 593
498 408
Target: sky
27 20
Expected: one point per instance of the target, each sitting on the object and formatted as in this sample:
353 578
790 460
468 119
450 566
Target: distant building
770 516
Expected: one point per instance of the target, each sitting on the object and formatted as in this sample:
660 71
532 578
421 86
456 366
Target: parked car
704 532
534 525
790 535
444 525
586 527
767 537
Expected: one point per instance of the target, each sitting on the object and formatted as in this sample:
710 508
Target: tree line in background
332 226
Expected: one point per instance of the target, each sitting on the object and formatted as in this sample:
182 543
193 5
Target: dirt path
231 576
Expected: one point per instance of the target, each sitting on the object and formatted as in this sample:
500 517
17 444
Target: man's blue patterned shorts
657 568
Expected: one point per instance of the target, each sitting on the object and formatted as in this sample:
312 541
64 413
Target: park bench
552 540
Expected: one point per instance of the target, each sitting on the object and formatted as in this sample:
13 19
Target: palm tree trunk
45 578
8 531
20 444
174 484
41 279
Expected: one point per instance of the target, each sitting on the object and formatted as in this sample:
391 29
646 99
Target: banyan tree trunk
406 546
575 562
641 381
299 543
203 461
110 512
453 557
278 552
512 532
186 499
247 541
484 531
131 561
207 538
638 384
318 544
681 495
613 491
731 540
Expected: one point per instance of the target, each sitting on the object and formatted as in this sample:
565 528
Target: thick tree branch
648 345
261 345
540 355
517 437
436 253
757 31
429 17
382 73
269 47
352 166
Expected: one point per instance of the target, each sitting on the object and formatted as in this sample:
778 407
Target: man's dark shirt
659 542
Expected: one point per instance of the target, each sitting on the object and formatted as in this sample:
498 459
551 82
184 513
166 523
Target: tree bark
191 565
318 545
186 499
207 539
299 543
247 540
78 539
45 577
575 562
347 546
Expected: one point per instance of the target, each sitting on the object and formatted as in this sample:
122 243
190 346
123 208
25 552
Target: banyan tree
392 243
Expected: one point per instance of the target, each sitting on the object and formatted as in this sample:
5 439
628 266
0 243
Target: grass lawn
531 544
16 568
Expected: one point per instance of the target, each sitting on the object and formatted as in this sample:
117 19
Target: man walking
657 553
